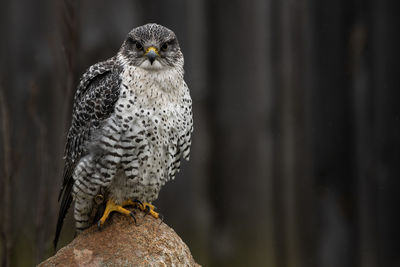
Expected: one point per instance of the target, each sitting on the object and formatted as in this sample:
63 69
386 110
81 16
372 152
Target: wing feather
94 101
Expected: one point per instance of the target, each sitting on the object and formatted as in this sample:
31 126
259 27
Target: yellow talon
111 206
129 203
150 208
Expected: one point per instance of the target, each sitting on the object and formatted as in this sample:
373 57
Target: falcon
131 125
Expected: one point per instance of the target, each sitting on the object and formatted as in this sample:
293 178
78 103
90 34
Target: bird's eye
164 47
139 46
135 44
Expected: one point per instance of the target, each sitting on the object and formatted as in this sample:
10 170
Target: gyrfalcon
131 125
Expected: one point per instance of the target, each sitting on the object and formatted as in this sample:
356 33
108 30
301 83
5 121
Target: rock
122 243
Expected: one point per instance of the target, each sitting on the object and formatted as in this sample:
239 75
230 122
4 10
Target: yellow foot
111 206
149 209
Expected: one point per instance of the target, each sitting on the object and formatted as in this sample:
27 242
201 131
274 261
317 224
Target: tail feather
65 204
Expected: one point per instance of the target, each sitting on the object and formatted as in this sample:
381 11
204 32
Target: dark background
295 156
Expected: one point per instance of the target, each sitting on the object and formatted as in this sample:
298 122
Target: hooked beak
151 53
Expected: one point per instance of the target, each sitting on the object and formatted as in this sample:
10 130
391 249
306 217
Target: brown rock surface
122 243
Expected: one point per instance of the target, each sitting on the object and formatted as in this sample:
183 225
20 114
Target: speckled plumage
131 125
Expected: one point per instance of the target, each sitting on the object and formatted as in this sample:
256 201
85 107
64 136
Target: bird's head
152 47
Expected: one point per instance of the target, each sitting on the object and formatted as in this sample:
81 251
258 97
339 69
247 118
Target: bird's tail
65 204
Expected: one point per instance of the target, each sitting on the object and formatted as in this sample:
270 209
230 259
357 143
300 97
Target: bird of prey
131 125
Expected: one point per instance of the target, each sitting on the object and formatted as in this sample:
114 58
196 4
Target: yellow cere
152 48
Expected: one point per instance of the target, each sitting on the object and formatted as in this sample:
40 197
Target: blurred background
295 156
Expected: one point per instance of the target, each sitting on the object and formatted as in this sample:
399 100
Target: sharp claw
133 216
138 201
99 225
147 211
